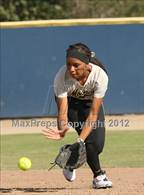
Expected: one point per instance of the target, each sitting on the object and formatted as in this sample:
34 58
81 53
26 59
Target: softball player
80 87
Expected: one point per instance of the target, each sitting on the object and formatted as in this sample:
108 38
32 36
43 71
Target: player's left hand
71 156
54 133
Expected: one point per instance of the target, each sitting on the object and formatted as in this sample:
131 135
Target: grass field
122 149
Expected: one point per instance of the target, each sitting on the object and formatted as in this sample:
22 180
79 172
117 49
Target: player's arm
62 118
62 121
92 118
62 105
102 84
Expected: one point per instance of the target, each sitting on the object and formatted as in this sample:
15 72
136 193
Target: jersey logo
82 92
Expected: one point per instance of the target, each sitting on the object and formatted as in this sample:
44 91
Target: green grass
122 149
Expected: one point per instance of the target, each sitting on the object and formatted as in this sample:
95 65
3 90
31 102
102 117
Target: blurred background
18 10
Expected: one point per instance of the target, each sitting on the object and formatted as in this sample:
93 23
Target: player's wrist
80 140
66 129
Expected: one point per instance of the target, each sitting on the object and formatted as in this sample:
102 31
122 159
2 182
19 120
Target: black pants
78 111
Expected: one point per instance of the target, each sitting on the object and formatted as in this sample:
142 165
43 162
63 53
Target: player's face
76 68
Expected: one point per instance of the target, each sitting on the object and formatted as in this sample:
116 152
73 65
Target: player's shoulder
98 73
61 72
96 69
62 69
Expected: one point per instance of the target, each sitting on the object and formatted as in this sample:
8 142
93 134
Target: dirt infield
126 181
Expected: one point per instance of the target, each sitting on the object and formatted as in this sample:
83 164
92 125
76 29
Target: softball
24 163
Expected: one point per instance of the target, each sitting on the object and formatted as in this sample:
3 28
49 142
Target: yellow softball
24 163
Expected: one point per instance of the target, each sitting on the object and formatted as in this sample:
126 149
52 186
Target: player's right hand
53 133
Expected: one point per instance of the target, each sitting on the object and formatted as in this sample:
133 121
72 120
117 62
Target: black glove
71 156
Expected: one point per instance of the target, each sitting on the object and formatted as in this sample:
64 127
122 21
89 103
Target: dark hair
84 49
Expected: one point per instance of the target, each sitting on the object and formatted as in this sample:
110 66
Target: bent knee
94 148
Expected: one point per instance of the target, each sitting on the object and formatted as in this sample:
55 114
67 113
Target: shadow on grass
40 190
